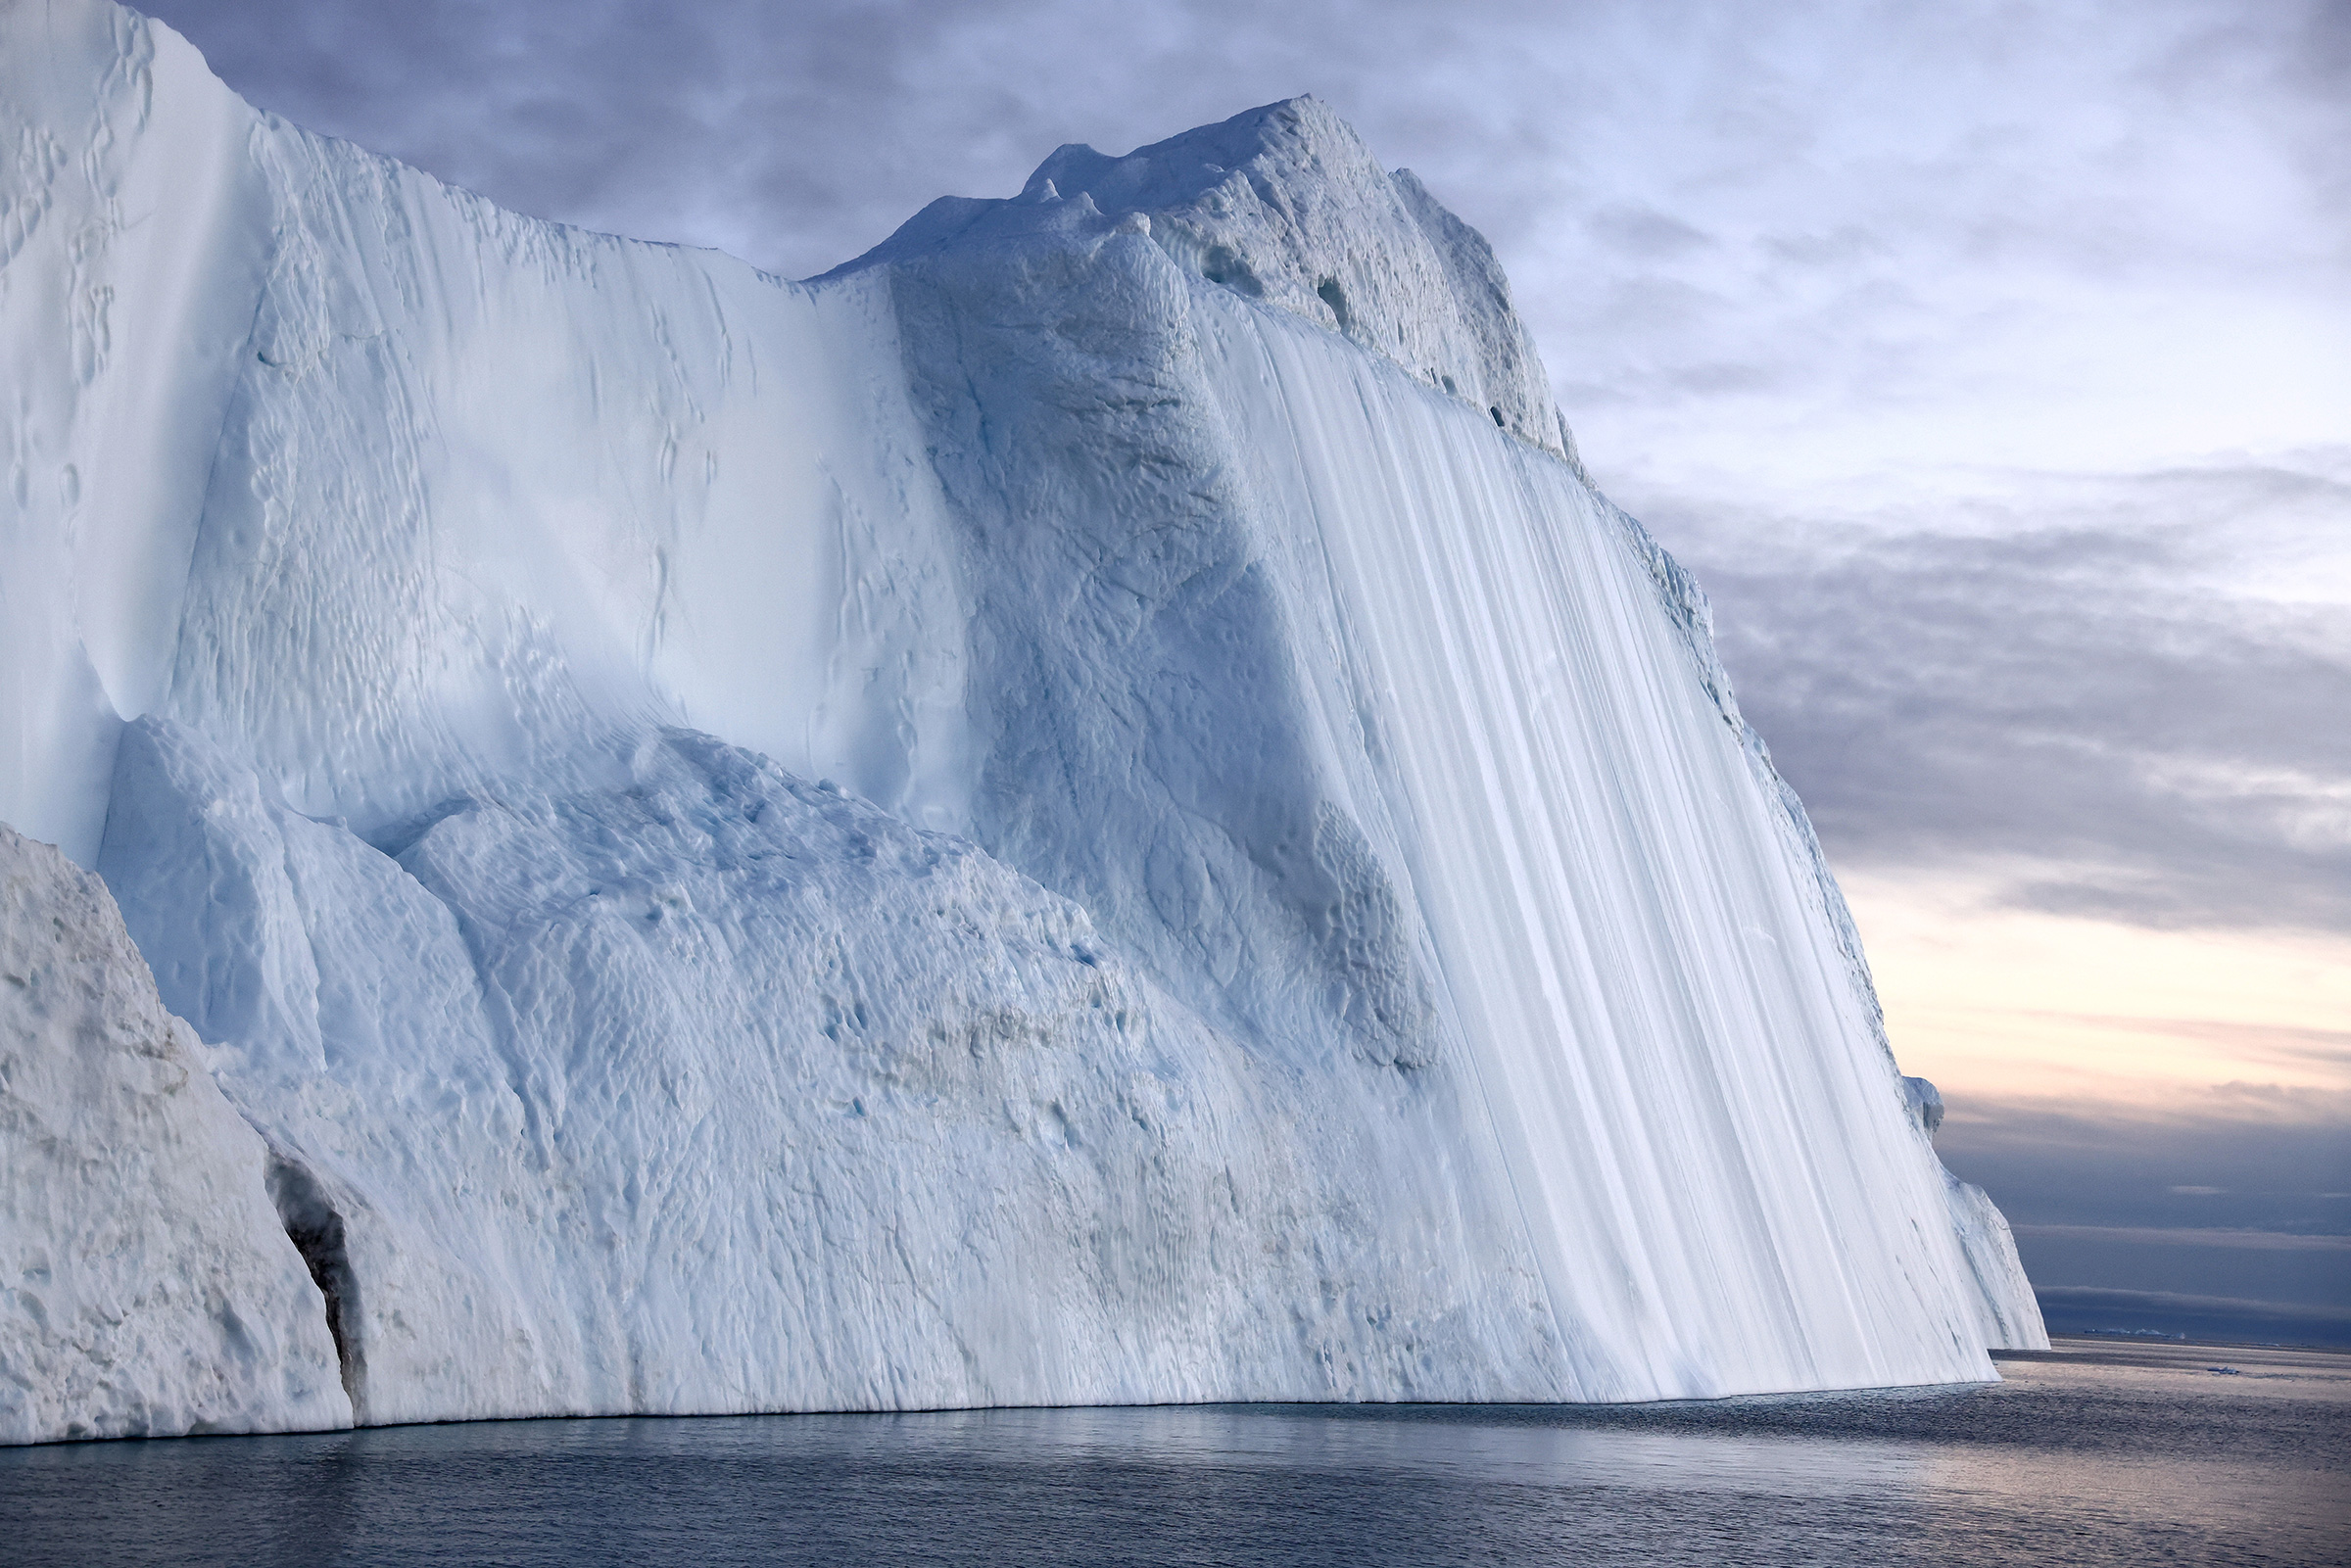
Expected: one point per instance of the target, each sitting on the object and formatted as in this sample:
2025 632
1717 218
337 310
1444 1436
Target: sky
1989 362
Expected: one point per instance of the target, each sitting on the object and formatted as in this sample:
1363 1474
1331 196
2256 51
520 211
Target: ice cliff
1087 808
151 1285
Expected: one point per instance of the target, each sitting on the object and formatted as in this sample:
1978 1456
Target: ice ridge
1285 205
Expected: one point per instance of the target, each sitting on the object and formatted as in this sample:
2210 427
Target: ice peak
1277 145
1285 205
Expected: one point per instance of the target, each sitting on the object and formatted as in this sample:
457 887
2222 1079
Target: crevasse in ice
1087 808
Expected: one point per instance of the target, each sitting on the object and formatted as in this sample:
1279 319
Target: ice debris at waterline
1089 808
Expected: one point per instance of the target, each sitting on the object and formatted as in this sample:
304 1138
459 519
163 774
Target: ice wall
1380 734
1065 813
132 238
728 1092
404 492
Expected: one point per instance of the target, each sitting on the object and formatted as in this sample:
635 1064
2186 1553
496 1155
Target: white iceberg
1089 808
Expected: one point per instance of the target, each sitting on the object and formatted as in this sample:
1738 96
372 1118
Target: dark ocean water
2093 1453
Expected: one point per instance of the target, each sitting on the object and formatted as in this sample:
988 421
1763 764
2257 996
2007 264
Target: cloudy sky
1990 362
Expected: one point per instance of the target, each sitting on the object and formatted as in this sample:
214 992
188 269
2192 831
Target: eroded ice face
1373 960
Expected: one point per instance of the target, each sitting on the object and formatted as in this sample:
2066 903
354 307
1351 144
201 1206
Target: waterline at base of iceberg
2090 1456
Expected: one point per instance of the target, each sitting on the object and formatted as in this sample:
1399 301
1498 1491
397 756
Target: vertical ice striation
1273 610
1089 807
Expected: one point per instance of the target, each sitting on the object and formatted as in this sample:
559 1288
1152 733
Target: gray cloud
2080 696
2254 1045
1958 122
2284 1273
2219 1212
2230 1318
2258 1241
1644 231
2237 1156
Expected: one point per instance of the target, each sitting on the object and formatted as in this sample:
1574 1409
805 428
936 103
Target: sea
2097 1452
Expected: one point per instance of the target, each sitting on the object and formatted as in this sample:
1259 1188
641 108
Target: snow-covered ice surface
725 1091
1087 808
147 1284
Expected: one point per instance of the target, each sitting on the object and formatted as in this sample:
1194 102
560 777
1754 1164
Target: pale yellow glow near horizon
2015 1004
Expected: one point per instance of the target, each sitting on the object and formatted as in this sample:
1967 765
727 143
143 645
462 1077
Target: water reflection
1530 1445
2088 1455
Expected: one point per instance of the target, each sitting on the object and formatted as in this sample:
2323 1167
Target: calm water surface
2092 1453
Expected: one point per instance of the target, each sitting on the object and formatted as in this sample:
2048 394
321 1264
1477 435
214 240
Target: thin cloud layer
1813 132
2093 701
2224 1217
2237 1156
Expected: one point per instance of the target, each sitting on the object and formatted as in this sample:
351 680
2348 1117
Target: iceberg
1089 808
